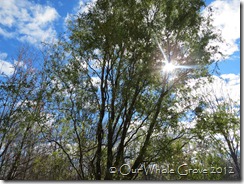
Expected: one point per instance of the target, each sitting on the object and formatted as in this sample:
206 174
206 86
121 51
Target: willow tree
112 84
19 112
213 120
218 120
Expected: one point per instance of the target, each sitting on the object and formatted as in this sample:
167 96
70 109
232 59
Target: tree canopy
103 103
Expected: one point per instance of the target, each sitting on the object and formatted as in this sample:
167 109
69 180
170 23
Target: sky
34 21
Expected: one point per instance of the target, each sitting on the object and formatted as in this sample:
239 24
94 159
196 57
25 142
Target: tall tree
109 77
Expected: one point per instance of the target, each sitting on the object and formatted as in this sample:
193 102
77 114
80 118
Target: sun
168 67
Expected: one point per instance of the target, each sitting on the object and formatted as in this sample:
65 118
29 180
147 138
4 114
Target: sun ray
169 66
162 51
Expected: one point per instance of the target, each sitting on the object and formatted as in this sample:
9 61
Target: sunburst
168 66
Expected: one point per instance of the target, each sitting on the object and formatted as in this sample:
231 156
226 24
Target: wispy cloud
26 21
3 55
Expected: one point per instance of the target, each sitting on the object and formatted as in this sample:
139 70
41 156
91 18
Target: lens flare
168 67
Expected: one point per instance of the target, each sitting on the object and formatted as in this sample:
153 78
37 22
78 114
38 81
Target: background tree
213 119
220 121
19 112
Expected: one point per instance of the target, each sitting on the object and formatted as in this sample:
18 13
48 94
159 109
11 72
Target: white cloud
231 78
96 81
6 34
6 68
26 21
20 64
67 18
225 88
232 82
81 7
84 7
226 20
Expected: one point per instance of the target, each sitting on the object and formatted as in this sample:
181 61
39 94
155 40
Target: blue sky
32 21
